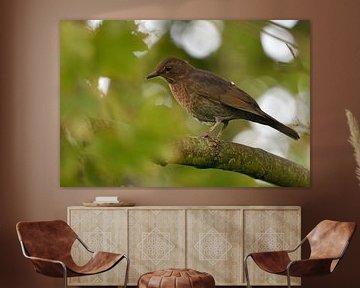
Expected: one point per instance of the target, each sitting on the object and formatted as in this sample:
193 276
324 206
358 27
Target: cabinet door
269 230
214 244
101 230
156 240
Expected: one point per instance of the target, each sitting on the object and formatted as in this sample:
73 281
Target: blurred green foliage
112 139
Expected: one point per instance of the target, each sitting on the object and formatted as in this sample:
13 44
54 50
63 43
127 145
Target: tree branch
206 153
251 23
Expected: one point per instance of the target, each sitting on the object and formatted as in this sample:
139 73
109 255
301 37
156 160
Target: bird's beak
152 75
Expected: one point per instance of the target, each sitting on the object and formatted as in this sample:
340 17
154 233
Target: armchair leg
288 278
65 276
127 271
246 270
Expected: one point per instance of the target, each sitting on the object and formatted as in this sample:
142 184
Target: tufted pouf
176 278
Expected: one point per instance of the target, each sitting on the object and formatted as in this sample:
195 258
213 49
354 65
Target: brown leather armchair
328 242
48 245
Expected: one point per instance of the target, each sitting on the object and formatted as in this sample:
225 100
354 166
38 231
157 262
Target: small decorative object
176 278
354 140
108 201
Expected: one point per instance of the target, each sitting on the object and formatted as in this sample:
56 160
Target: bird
212 99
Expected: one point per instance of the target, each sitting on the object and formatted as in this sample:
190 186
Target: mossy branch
206 153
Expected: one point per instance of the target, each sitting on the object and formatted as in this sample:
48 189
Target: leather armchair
328 243
48 245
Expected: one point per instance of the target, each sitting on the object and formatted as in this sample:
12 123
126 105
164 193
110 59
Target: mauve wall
29 113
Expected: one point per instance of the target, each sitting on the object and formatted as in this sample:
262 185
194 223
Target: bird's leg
226 123
212 128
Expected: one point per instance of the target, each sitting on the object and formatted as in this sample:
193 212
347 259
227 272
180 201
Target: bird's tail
270 121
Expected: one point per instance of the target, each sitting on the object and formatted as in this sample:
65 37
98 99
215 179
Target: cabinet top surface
192 207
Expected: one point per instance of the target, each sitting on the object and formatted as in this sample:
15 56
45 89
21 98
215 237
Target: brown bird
211 99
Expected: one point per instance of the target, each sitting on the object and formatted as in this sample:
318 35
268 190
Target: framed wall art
184 103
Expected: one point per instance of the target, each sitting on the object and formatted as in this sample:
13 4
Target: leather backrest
329 238
46 239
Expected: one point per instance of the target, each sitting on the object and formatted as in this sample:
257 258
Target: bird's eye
167 68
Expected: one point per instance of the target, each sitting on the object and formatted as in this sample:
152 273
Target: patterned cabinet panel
156 240
101 230
270 229
214 244
210 239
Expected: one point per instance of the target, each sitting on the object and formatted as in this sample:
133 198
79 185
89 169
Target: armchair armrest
49 267
83 244
312 266
279 252
46 260
298 246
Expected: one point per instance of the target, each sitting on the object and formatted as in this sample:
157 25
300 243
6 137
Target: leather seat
176 278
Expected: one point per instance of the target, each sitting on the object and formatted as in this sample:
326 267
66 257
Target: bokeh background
114 122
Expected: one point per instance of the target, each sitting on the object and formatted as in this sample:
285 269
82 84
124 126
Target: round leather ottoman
176 278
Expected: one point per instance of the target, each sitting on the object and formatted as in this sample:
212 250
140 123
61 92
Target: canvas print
185 103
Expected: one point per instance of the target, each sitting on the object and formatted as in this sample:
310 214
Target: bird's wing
218 90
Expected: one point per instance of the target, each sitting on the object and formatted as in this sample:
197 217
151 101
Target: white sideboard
211 239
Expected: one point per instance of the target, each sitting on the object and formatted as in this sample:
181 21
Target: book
106 199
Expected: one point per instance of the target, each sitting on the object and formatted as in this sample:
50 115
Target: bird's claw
213 141
205 136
